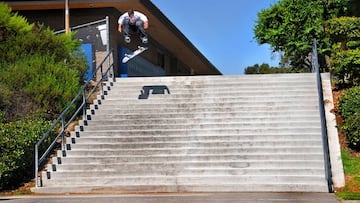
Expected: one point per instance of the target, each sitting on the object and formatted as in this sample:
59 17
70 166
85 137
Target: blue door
87 49
123 67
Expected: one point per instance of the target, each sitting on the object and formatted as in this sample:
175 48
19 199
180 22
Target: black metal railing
94 85
316 70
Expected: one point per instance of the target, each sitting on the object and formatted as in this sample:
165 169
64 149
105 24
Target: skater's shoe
144 40
127 39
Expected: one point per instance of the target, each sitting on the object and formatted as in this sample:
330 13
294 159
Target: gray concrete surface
337 170
181 198
205 134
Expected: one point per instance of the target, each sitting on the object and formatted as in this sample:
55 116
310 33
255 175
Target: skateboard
127 57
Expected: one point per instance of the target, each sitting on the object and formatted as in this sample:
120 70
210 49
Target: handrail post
102 79
84 105
62 135
36 165
112 67
315 61
108 43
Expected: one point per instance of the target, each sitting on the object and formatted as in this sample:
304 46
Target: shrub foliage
349 107
38 69
17 140
40 72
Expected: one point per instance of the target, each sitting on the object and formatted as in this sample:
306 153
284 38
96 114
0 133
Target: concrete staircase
250 133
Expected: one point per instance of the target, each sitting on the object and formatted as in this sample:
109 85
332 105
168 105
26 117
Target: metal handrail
83 25
106 75
316 69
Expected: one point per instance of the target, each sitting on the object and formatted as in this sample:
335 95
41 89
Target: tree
290 26
344 30
265 69
344 33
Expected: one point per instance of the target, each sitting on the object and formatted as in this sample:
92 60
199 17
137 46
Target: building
170 52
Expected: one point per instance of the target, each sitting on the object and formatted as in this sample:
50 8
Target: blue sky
222 30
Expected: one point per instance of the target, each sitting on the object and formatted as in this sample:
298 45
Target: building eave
161 29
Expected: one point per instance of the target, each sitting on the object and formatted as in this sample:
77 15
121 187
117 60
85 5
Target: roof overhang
161 29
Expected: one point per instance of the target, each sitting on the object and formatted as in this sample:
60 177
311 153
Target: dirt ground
336 95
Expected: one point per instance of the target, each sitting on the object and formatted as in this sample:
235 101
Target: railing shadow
153 89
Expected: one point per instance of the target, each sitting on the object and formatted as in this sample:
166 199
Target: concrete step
228 143
176 119
229 125
98 165
193 188
106 155
243 79
224 95
78 153
188 172
213 153
198 103
193 180
218 89
204 109
258 115
244 131
205 104
210 85
95 139
208 133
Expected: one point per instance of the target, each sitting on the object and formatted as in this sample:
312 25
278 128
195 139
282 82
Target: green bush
17 140
43 82
345 65
39 70
352 127
40 73
12 22
2 117
43 41
4 94
349 108
349 102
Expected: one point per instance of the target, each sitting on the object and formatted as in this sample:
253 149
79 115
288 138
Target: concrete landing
182 198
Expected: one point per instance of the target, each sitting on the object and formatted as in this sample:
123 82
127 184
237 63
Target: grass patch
351 164
348 195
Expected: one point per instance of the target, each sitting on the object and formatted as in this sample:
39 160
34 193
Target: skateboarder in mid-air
131 22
